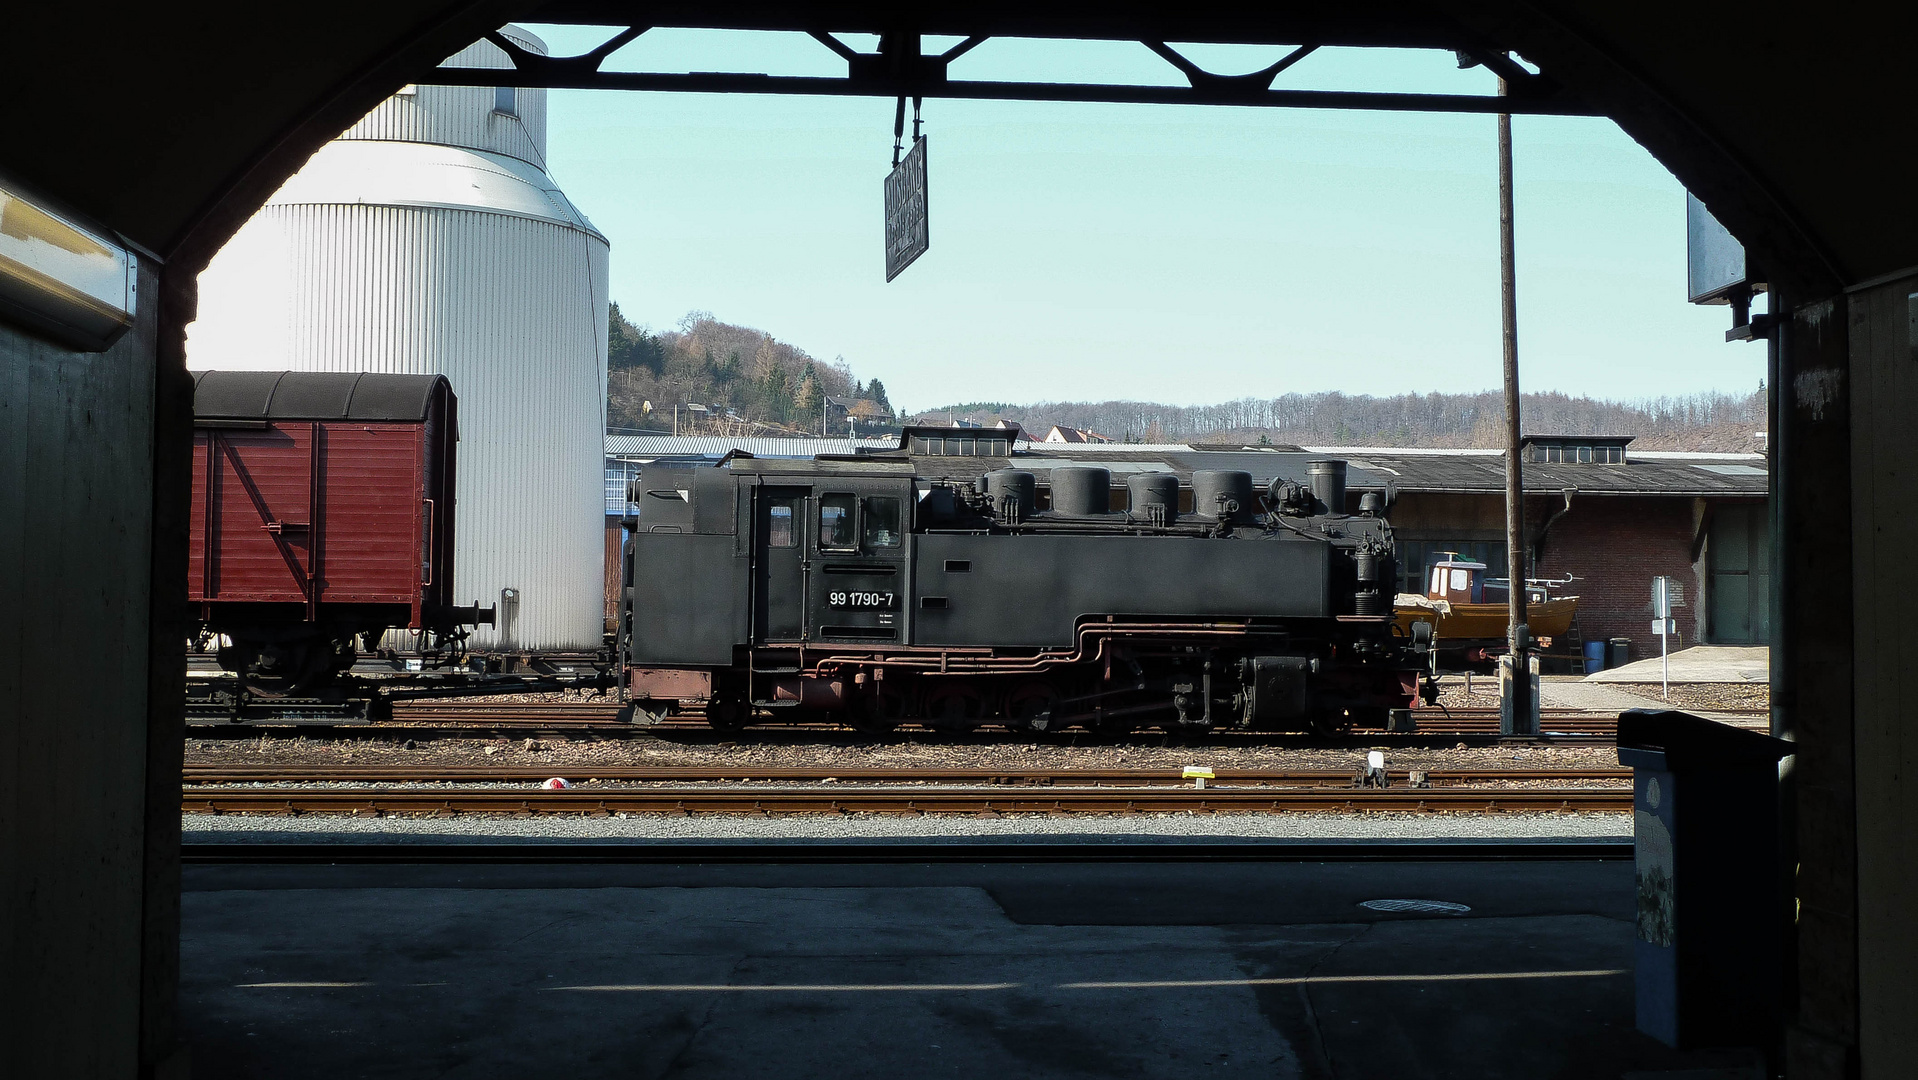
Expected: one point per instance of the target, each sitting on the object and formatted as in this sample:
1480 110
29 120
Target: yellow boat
1454 603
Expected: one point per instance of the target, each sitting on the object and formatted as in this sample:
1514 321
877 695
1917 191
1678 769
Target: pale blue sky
1175 254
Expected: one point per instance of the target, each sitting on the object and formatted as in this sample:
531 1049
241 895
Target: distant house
1074 435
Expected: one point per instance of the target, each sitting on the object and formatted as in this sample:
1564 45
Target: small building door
1738 558
779 542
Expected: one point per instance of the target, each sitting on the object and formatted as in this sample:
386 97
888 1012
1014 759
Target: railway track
600 719
908 790
707 774
814 800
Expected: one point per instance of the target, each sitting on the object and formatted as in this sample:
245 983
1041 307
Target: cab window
836 523
779 525
882 522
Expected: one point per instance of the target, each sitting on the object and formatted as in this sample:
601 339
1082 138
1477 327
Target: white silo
429 238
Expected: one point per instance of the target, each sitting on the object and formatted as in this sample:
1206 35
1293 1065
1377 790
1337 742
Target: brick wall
1615 546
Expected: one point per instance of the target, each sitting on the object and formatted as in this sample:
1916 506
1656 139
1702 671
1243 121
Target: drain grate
1433 907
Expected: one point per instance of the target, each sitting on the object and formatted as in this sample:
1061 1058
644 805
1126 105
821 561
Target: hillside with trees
747 382
1699 422
751 383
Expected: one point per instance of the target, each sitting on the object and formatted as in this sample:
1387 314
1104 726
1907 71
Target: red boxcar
322 514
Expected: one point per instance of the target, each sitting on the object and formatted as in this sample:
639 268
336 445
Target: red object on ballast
321 495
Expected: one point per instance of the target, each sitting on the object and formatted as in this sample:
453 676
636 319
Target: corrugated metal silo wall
513 311
460 116
464 115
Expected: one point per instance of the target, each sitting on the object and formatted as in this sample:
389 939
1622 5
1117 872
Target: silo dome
429 239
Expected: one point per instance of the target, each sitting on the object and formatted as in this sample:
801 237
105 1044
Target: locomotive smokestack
1328 483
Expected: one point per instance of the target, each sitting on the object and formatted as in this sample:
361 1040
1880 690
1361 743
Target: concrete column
88 885
1812 674
1883 326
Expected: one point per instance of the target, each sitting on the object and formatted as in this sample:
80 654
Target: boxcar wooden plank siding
337 484
370 519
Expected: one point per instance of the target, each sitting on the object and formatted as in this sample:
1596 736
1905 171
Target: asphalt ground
937 968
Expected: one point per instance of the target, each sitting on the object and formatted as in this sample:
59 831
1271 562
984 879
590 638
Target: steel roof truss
900 70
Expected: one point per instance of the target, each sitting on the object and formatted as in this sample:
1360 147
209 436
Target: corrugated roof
1484 472
312 395
648 447
1406 469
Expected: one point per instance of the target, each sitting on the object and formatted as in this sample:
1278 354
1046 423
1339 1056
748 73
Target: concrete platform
1575 693
1698 664
1269 969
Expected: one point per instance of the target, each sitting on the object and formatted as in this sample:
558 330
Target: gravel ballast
759 750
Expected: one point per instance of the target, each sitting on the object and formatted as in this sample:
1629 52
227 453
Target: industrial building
429 239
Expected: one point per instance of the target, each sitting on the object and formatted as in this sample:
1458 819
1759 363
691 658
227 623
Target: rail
605 803
746 774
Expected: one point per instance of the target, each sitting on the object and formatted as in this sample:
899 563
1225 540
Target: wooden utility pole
1518 713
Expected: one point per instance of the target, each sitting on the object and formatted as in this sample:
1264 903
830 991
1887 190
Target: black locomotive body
884 587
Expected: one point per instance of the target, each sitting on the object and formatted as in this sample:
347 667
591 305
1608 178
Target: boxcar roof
312 395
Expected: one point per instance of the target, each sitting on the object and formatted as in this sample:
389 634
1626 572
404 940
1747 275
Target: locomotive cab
831 559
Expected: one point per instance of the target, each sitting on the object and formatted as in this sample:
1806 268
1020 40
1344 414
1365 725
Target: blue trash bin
1594 656
1711 926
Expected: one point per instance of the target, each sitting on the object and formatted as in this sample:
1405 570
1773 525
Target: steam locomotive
937 581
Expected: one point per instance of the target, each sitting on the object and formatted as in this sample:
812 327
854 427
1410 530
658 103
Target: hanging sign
906 234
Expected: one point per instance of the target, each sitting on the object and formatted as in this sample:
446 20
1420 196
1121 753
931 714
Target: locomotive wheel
873 715
952 708
868 724
1367 716
1331 725
1029 707
877 712
728 715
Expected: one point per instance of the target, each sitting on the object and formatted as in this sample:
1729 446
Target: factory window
835 523
506 100
779 525
969 446
882 522
1568 453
